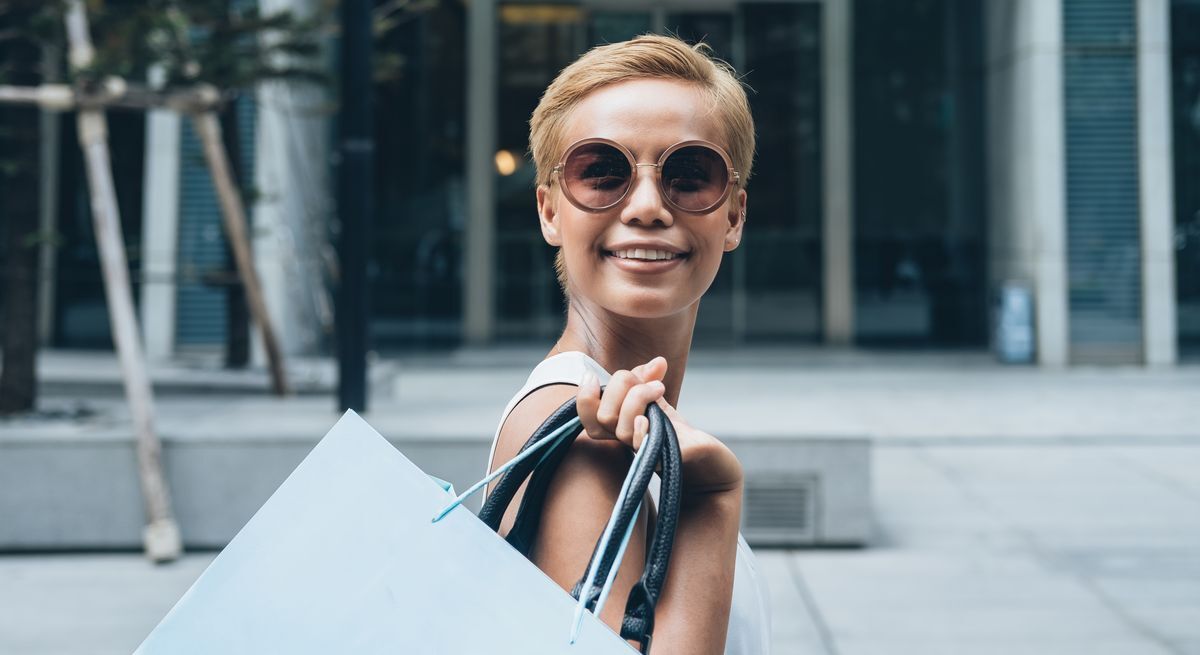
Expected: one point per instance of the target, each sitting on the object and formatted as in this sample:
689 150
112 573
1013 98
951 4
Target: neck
621 343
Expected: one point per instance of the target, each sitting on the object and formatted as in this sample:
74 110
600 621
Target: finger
587 400
609 411
641 426
635 405
655 369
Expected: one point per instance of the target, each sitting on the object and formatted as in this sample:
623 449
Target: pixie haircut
649 56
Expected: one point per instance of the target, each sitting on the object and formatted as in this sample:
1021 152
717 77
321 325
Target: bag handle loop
553 438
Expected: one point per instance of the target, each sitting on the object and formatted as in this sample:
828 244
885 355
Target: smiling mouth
645 254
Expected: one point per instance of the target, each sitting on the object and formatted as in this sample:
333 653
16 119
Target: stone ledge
80 492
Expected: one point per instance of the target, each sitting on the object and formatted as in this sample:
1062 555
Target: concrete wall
1155 157
80 491
160 233
1026 188
294 204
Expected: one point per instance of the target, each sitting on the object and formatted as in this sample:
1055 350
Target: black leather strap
502 495
643 598
661 449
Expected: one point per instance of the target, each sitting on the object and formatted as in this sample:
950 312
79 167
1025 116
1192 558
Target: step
77 489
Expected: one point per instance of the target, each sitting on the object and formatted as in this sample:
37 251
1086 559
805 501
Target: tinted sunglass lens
597 175
695 177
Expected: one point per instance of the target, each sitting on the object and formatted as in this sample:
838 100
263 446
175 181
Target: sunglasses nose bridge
644 198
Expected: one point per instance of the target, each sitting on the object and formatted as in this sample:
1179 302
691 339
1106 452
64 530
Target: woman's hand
619 413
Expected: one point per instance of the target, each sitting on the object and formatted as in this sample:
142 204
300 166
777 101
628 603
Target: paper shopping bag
345 558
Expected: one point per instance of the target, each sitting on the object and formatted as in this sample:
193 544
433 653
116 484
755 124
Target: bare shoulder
529 414
525 417
591 466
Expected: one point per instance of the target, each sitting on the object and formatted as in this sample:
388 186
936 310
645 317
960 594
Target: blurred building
913 157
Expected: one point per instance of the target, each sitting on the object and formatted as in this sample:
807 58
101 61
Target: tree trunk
19 126
160 537
208 129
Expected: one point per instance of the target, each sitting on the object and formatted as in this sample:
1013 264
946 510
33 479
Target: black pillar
355 173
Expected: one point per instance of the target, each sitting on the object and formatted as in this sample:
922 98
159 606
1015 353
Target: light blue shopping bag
345 558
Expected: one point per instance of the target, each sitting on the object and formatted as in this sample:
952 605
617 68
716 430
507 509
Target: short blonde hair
647 56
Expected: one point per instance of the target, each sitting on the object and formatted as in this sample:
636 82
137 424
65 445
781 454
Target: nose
645 202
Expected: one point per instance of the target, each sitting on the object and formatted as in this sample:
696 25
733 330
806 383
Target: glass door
768 289
920 234
1185 81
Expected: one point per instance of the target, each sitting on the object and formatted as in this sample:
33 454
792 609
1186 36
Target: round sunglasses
693 176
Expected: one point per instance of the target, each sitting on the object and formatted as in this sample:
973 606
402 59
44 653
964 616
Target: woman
643 149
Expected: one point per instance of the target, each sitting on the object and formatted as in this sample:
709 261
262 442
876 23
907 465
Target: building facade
913 158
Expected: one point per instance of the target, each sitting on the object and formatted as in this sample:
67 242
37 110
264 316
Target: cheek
579 239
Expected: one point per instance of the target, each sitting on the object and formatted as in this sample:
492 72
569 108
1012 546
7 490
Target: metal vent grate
201 308
780 509
1103 221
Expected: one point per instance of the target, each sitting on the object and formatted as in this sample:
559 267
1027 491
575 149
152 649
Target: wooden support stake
161 537
208 128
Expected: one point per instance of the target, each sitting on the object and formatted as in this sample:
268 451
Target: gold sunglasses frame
733 181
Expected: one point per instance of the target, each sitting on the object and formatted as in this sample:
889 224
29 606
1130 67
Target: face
599 248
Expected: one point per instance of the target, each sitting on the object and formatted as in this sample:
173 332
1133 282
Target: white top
749 618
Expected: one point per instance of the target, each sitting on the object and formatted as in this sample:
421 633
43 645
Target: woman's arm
693 614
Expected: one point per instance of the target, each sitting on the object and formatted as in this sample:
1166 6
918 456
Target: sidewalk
892 398
1018 510
1047 549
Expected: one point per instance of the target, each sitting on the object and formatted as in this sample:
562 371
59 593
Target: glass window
614 26
769 288
81 310
780 259
536 42
920 275
1185 82
420 211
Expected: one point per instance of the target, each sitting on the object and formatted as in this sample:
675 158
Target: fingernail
588 378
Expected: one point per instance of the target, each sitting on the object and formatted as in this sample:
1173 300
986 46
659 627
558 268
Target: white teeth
645 254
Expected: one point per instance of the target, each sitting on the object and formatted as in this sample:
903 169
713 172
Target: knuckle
624 377
597 434
624 433
649 392
606 416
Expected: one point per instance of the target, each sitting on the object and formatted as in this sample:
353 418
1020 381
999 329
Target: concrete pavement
981 549
1018 510
918 398
1009 549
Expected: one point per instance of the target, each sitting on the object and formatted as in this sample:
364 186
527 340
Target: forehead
647 116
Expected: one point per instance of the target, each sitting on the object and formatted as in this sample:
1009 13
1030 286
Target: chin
649 303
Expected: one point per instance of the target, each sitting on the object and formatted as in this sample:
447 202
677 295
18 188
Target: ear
737 220
547 203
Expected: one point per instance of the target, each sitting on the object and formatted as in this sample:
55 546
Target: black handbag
660 450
